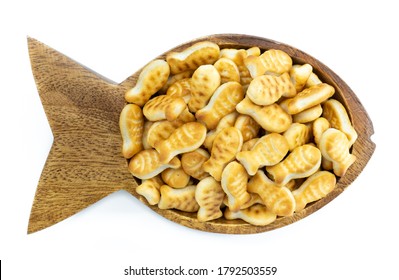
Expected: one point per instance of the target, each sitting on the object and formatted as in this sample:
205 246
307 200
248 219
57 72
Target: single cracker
272 118
149 189
267 89
334 146
151 79
204 82
337 116
131 124
164 107
209 196
222 103
309 97
308 115
302 162
268 150
276 61
257 215
175 177
192 57
314 188
234 183
146 164
186 138
279 200
224 149
299 75
180 199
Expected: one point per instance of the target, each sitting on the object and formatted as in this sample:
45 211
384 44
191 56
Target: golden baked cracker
303 161
297 135
186 138
279 200
309 97
149 189
164 107
209 196
257 215
192 163
314 188
276 61
161 130
224 149
268 150
180 88
192 57
131 124
175 177
146 164
180 199
334 146
255 66
312 80
222 103
267 89
151 79
318 127
336 114
248 126
272 118
248 145
308 115
204 82
254 51
227 121
228 70
299 75
234 184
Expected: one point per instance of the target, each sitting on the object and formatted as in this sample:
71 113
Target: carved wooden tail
85 163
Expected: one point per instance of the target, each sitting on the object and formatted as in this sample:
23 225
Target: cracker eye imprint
234 134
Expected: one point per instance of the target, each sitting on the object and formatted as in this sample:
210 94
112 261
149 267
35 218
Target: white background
353 237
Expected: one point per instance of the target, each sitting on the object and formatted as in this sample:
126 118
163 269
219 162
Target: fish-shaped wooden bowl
85 162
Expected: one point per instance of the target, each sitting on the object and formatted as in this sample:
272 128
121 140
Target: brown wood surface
85 163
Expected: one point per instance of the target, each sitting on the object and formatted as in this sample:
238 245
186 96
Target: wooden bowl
85 162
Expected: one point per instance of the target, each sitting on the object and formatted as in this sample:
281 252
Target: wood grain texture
85 163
